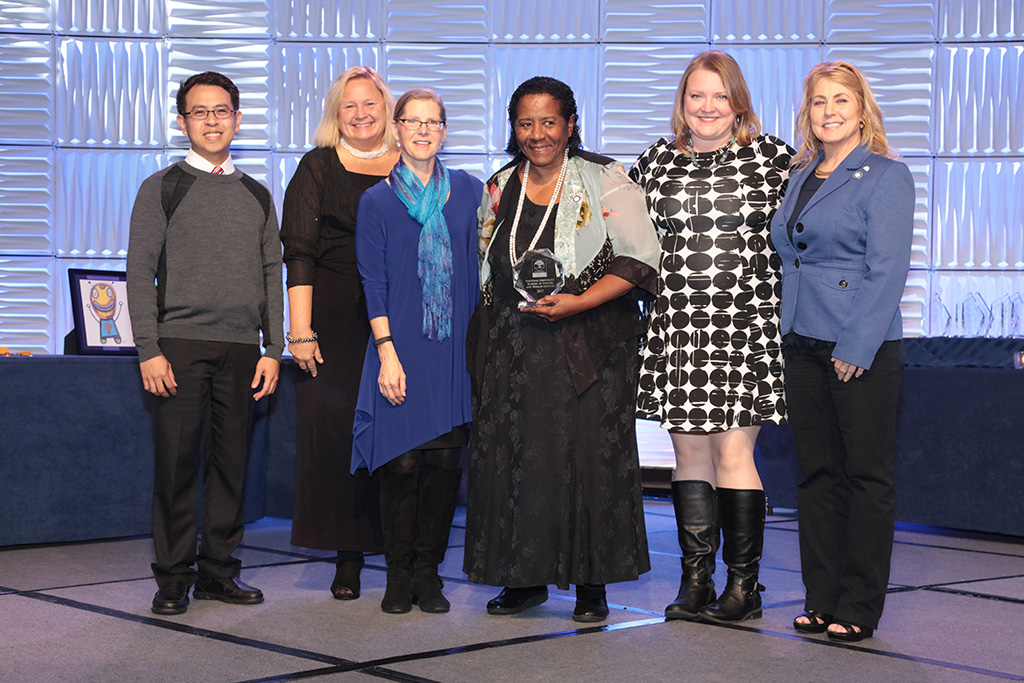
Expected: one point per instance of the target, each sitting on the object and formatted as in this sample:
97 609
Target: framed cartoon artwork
99 305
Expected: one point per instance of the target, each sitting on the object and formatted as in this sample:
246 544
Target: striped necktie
218 170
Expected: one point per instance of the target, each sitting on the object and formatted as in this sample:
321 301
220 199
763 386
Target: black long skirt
334 510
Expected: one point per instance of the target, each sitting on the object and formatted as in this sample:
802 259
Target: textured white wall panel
481 166
876 21
573 65
677 21
982 20
980 99
757 21
774 75
26 15
914 304
459 74
245 63
444 21
220 19
544 20
920 255
303 73
901 77
111 92
27 304
329 19
95 191
257 164
283 166
119 17
637 91
26 208
979 216
26 89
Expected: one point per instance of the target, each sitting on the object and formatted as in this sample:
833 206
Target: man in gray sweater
204 280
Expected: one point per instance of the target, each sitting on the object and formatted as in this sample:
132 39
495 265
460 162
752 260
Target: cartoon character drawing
106 309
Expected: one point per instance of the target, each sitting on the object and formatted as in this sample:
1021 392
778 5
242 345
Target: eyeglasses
414 124
218 112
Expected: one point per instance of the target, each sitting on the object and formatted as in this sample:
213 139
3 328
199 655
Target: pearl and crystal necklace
718 159
360 154
547 213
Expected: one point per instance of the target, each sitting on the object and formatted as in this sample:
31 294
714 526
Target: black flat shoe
226 589
851 633
591 604
817 621
171 598
515 600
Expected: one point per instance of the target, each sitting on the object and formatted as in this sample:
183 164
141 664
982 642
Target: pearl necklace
360 154
547 213
718 158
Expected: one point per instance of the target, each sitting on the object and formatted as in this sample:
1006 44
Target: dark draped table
76 449
959 438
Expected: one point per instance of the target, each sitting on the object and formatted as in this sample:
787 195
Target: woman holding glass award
415 247
567 249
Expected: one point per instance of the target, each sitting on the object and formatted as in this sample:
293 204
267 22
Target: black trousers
845 436
213 379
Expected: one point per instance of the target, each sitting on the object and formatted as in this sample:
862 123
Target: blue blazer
844 271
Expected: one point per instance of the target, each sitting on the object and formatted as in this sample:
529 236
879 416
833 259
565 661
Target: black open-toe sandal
817 621
850 632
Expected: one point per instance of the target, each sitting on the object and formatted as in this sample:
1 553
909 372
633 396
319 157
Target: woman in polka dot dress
712 368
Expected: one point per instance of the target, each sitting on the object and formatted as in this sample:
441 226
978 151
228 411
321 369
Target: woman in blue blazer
844 233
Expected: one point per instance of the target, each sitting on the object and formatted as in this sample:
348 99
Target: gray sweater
216 266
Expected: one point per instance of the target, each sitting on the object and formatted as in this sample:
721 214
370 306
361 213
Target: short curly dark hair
543 85
206 78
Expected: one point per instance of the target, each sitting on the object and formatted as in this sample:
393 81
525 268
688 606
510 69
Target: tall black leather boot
398 522
696 507
438 497
742 513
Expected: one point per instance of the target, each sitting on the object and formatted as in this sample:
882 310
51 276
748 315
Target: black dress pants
845 436
213 379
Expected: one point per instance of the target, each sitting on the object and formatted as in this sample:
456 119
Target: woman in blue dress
416 252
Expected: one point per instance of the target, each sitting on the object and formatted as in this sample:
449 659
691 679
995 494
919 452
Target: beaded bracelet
377 343
304 340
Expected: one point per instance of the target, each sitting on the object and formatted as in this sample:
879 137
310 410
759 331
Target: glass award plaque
536 275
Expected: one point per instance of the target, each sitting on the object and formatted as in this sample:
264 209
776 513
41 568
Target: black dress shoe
515 600
171 598
227 589
591 604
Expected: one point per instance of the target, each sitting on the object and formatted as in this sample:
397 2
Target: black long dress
333 509
554 495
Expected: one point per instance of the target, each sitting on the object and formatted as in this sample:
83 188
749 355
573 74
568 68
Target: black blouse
318 224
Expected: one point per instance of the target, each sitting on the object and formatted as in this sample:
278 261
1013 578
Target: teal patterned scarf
425 205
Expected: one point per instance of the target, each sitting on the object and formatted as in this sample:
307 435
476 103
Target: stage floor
80 612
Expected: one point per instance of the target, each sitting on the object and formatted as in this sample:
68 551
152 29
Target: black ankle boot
346 575
438 497
398 522
591 603
742 512
696 507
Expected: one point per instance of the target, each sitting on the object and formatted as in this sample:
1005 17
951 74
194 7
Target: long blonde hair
747 125
327 133
872 134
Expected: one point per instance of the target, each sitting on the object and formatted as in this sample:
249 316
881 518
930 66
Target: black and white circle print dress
712 358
